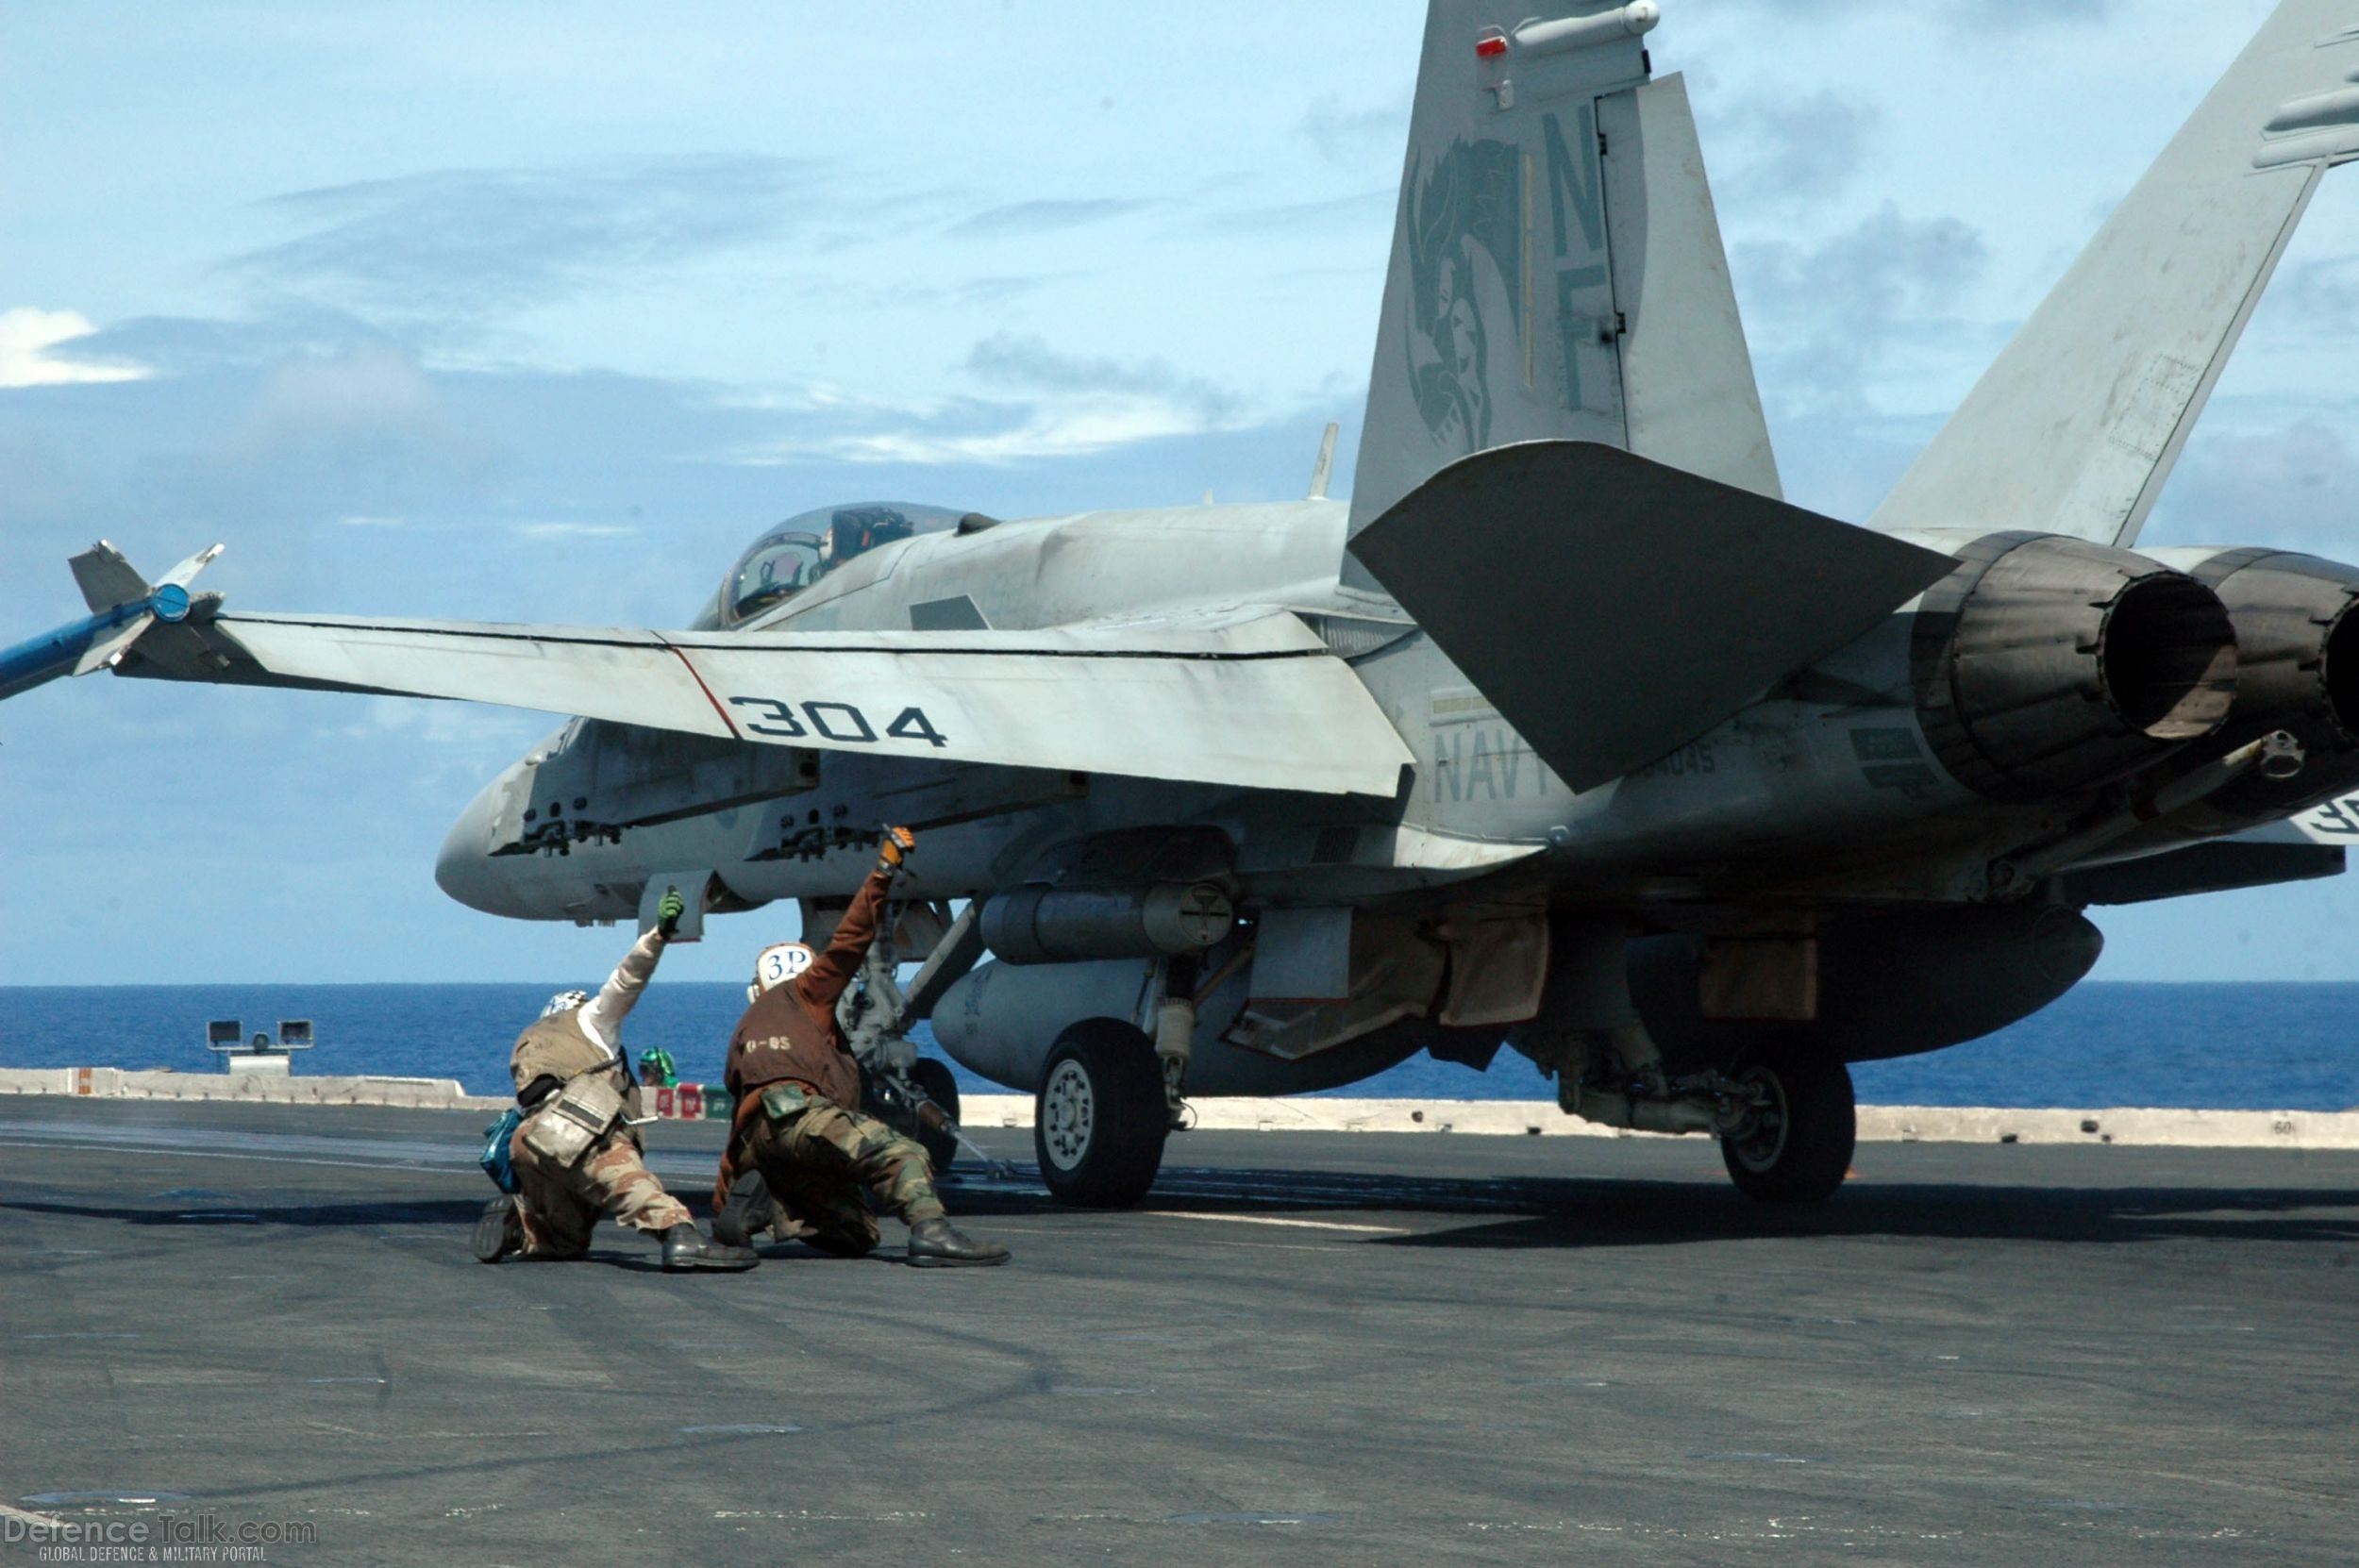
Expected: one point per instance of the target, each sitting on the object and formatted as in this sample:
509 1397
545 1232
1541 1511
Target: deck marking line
1272 1219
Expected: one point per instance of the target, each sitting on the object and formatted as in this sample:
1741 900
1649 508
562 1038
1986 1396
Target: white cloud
1063 406
572 530
1368 137
2265 471
27 334
965 430
1064 433
359 417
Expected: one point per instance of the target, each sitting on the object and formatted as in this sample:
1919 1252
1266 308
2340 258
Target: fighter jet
1567 734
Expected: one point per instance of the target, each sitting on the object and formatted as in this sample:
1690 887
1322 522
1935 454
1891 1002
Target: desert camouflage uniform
561 1204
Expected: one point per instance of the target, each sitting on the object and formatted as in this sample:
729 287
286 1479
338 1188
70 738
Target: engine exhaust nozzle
2048 665
2297 624
2297 639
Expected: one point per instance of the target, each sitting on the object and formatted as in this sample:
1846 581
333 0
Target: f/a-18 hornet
1566 733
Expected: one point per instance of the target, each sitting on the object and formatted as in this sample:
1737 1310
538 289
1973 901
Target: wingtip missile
167 601
123 605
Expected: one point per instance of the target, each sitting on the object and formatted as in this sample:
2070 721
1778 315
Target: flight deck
1306 1348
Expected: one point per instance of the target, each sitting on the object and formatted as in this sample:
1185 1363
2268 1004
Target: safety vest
557 1047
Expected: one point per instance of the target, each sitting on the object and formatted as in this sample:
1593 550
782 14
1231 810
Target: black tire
1098 1120
1800 1148
932 1079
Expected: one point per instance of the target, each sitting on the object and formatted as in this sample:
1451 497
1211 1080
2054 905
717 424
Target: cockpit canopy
804 548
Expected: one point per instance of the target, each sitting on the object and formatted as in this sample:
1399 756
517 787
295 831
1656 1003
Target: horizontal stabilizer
1612 607
1255 702
2224 864
2330 822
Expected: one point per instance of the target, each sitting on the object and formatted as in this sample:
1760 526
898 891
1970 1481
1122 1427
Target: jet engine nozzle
2046 665
2297 670
2296 639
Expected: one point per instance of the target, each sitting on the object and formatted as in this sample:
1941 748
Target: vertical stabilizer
2076 424
1557 270
1688 395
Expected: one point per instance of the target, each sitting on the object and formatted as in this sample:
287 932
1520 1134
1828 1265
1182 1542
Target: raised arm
602 1019
831 971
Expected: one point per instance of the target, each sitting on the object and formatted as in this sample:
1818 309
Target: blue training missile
123 605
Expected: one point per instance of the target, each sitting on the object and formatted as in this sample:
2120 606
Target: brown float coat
790 1033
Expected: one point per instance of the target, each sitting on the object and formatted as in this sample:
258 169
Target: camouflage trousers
562 1203
830 1169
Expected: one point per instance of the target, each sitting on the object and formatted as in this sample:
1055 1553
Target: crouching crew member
577 1155
798 1139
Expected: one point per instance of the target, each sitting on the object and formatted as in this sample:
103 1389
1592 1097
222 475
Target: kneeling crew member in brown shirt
799 1130
577 1155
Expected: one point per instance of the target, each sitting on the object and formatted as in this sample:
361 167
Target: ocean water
2249 1046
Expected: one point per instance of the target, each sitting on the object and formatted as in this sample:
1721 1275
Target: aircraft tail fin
105 578
1557 270
2076 426
124 607
1322 469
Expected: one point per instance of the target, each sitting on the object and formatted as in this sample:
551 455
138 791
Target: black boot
938 1244
685 1248
748 1211
498 1230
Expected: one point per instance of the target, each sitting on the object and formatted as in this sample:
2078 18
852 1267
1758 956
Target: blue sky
540 313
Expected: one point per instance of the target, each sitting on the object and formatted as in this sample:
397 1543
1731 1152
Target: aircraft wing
1253 701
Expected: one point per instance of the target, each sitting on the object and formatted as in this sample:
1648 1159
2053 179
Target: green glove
668 912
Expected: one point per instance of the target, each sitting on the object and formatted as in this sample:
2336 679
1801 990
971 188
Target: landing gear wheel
1797 1148
1098 1120
933 1081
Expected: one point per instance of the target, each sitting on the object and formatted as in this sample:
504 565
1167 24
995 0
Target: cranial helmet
778 963
565 1001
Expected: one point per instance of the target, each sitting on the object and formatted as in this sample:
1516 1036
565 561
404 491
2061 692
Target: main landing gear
1792 1144
1100 1116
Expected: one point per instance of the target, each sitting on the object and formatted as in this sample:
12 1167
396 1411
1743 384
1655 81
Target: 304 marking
841 722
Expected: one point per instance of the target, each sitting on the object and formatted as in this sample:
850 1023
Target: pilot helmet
565 1001
778 962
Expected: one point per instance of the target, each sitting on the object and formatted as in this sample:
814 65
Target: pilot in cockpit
799 552
857 530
